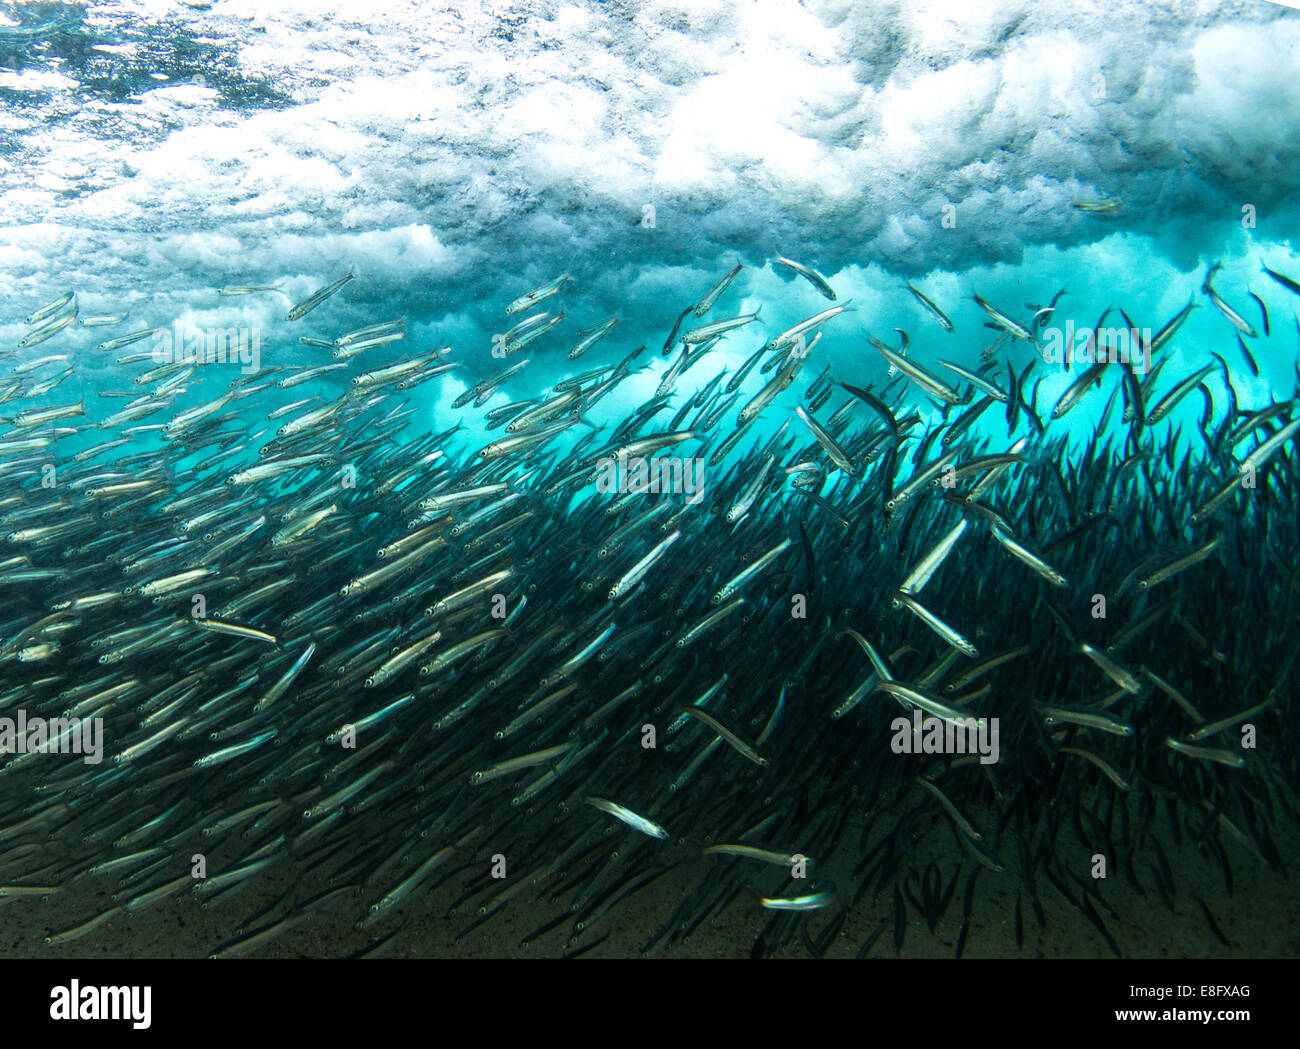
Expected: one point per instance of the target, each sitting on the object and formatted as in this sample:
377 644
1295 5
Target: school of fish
327 638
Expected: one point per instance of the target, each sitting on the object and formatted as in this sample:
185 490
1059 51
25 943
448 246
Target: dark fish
672 336
1214 927
870 941
1263 312
1250 358
810 561
1282 279
900 919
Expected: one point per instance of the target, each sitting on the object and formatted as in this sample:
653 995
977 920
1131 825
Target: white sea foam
458 155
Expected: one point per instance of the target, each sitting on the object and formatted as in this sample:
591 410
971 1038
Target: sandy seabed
1260 919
